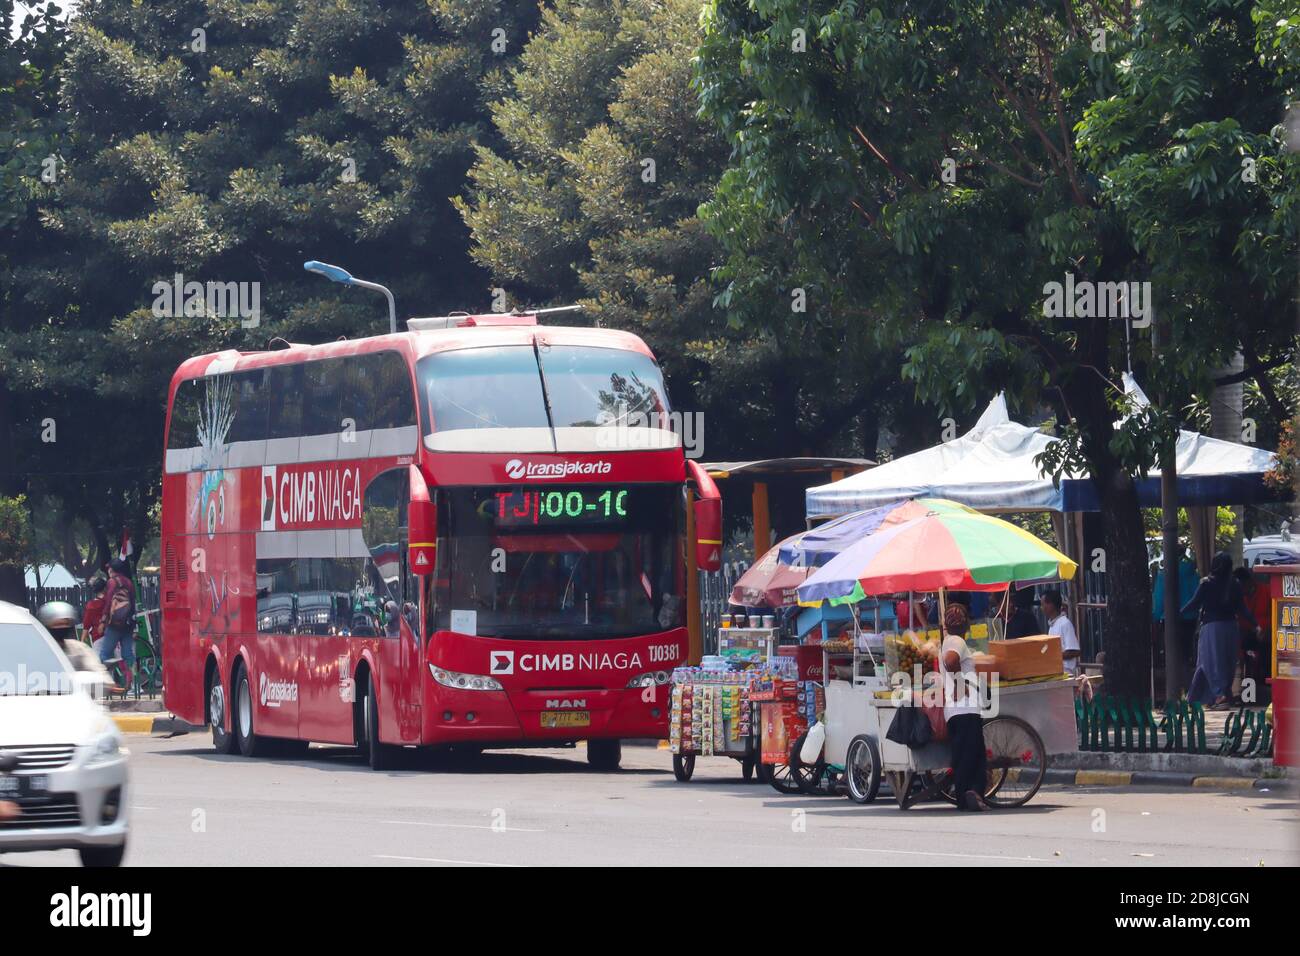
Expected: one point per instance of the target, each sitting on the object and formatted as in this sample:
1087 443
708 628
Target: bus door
393 604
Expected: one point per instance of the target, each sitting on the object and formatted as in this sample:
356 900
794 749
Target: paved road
192 807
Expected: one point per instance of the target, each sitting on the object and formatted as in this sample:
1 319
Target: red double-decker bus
471 533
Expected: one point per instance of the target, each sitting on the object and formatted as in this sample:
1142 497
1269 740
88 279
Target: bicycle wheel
1017 761
779 777
808 776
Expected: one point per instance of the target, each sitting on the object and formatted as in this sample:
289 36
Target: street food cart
713 708
1027 715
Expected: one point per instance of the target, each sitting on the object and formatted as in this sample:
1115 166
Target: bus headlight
463 681
650 679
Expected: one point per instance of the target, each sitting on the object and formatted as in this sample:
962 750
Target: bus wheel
381 755
250 745
223 742
604 754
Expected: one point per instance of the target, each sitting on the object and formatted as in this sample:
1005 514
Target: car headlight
650 679
106 749
463 681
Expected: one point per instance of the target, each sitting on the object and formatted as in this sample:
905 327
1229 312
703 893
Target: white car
63 766
1270 549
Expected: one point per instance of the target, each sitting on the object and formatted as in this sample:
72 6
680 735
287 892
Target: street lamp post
337 274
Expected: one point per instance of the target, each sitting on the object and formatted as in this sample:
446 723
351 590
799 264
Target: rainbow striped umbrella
950 548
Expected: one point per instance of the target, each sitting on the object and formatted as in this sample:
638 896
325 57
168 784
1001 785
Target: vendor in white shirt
962 711
1058 625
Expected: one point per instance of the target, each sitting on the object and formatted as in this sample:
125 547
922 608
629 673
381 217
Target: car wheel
250 744
102 855
604 754
223 741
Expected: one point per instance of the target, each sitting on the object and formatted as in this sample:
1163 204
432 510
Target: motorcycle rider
60 619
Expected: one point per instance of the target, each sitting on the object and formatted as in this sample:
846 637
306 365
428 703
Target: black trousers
969 758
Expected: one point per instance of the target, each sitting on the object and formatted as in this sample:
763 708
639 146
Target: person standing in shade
1022 622
1059 625
1220 601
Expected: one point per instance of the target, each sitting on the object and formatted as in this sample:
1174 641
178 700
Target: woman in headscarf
1219 600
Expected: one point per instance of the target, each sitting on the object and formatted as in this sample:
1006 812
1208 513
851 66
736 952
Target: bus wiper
546 394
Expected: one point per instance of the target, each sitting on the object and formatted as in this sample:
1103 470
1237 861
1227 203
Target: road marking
961 856
432 859
461 826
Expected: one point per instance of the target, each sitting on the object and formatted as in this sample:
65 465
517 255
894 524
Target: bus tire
250 745
223 741
379 755
604 754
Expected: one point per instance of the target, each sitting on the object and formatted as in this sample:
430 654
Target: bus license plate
566 718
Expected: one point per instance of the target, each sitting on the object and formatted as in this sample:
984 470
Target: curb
1157 778
150 724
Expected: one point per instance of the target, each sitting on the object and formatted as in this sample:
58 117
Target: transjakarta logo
273 692
515 468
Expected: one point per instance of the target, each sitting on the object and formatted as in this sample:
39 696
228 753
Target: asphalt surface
546 808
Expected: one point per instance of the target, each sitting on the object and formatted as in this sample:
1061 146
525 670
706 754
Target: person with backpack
119 619
92 619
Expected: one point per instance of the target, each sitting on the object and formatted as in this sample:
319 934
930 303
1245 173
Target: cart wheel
683 767
779 776
747 769
811 777
862 769
939 782
901 783
1017 761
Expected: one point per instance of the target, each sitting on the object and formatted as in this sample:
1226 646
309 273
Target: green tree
31 49
229 142
937 166
593 196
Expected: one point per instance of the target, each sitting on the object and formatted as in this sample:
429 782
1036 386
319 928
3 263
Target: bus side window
392 407
284 390
248 426
322 387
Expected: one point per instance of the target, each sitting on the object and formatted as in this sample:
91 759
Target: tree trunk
1127 668
13 585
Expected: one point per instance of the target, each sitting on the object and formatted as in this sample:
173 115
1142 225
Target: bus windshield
573 562
541 396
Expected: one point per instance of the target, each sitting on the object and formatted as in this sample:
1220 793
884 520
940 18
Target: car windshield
30 664
575 562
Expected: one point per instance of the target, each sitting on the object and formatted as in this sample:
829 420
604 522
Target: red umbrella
769 582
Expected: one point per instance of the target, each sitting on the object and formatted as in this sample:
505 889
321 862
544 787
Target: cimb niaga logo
517 468
275 692
501 662
75 909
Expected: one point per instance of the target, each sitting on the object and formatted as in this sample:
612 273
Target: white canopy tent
992 468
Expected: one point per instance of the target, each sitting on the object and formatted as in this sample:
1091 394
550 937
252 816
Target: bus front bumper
559 714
